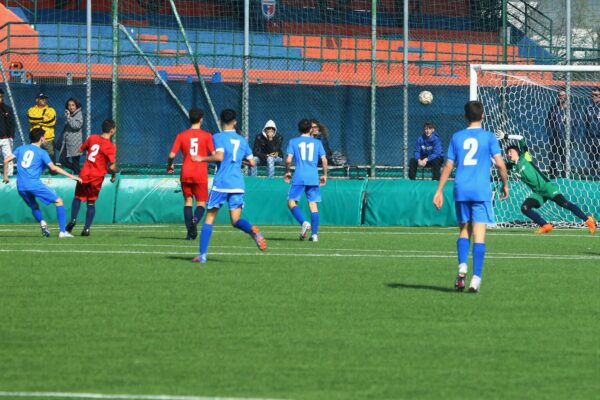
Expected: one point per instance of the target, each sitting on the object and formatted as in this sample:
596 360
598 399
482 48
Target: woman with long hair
72 136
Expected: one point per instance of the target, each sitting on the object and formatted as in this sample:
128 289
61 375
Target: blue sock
61 215
314 222
462 249
75 208
478 256
205 234
37 214
244 225
89 216
297 213
198 213
187 216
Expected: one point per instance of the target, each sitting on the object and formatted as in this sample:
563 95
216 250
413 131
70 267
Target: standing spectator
72 137
321 132
194 175
592 130
101 159
428 153
556 123
43 116
472 151
7 131
267 148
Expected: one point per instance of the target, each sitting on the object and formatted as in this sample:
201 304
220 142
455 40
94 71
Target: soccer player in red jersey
194 175
101 158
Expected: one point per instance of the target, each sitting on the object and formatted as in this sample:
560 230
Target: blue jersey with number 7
472 150
306 152
229 178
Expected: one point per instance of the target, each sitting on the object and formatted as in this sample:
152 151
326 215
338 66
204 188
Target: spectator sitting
428 153
320 131
267 149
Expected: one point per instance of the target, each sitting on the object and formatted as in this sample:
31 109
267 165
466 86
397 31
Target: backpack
338 159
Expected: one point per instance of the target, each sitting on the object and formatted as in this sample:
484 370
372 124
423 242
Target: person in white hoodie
267 149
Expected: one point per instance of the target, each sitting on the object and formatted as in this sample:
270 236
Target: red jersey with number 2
194 142
101 153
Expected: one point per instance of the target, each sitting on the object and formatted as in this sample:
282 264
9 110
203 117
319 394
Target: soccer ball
425 97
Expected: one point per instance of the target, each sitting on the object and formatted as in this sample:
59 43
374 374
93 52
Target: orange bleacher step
152 38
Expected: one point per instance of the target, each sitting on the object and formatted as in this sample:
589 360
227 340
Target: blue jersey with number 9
31 161
229 178
472 150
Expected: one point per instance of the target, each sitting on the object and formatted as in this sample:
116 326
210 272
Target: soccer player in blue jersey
471 150
31 161
305 151
228 184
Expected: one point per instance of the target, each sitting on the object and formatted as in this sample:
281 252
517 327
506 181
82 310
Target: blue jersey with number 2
31 161
235 149
307 151
472 150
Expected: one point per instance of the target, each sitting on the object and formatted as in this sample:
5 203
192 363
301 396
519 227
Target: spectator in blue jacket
428 153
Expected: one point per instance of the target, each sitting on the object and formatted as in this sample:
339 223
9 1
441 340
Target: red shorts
88 191
198 190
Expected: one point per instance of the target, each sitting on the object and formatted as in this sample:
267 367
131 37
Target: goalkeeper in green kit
520 164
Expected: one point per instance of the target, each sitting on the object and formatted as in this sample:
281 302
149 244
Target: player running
31 161
194 175
520 164
305 151
101 158
228 184
472 150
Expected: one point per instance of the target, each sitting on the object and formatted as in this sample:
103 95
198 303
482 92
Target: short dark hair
474 111
596 89
35 135
74 100
196 114
227 116
107 125
515 148
428 125
304 126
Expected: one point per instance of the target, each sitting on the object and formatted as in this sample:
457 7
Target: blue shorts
475 211
42 192
217 199
313 193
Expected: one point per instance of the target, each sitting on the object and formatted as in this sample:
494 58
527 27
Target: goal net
557 111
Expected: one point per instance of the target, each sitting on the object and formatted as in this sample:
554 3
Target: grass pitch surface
366 313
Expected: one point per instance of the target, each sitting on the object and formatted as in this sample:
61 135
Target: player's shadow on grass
165 238
189 259
419 287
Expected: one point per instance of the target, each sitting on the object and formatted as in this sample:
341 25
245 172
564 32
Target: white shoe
475 283
64 235
304 230
314 238
463 269
44 228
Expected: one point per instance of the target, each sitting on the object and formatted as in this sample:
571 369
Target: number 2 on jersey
311 151
93 152
470 144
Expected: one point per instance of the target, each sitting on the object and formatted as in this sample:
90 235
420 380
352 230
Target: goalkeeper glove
500 134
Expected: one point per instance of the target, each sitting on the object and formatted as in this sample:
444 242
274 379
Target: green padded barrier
407 203
159 200
14 209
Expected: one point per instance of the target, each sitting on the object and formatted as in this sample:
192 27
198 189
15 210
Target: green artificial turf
365 313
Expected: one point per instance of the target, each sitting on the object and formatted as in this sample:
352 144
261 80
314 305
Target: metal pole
115 62
504 32
195 62
88 70
405 90
373 85
246 72
153 68
12 101
568 90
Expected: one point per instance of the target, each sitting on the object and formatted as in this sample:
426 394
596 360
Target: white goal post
555 109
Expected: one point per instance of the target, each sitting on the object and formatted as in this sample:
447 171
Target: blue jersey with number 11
235 149
472 150
307 151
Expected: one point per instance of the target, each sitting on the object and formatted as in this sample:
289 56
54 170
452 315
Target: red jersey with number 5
101 153
194 142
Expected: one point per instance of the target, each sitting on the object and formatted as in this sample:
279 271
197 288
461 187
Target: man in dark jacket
267 149
7 131
428 153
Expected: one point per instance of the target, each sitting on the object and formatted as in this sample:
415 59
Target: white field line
48 395
324 255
